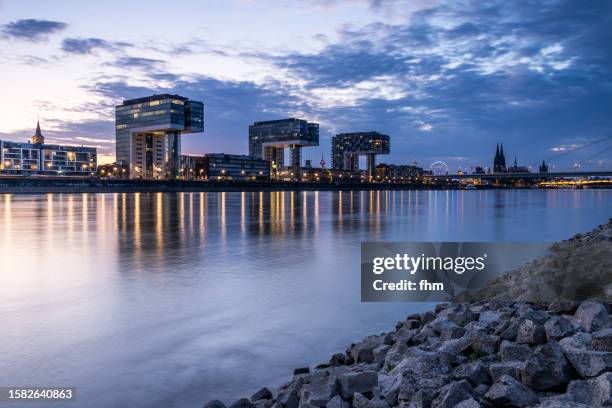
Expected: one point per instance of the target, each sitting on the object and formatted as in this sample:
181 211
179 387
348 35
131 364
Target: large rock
511 368
581 341
350 383
337 402
242 403
531 332
363 352
214 404
595 392
508 392
589 363
482 343
509 351
558 327
602 340
490 318
263 394
317 393
476 373
593 316
453 394
468 403
461 315
546 368
360 401
380 352
288 395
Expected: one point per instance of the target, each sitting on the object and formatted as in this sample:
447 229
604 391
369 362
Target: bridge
520 176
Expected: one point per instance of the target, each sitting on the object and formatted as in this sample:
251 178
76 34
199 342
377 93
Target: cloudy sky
446 79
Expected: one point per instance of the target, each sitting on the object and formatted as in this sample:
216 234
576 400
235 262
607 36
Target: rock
428 317
263 394
215 404
563 306
560 402
337 402
481 389
558 327
395 355
350 383
592 316
441 307
242 403
468 403
363 352
508 392
546 368
360 401
509 351
422 398
595 392
489 318
301 370
379 353
450 330
482 343
530 332
265 403
317 393
589 363
476 373
602 340
452 394
510 331
580 341
288 395
338 359
511 368
461 315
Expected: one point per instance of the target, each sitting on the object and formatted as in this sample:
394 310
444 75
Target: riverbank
469 355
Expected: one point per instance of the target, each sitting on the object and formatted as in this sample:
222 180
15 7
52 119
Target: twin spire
38 137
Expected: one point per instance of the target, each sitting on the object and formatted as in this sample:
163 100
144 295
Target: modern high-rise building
347 147
49 159
268 140
148 133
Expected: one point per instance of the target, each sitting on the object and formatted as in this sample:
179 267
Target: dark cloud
89 45
31 29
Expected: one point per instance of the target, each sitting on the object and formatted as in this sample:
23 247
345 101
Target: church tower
38 137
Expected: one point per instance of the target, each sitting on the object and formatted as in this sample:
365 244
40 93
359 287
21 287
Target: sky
447 80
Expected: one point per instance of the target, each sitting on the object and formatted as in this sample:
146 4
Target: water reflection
165 298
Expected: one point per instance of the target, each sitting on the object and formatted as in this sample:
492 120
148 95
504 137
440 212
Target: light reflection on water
153 299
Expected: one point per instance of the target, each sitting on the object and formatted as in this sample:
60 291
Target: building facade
347 147
221 166
148 133
402 172
268 140
34 158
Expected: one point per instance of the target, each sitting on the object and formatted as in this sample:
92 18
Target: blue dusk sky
446 80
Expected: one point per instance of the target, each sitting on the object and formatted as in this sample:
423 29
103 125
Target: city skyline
443 80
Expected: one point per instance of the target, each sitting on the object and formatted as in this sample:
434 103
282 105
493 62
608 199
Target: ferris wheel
439 168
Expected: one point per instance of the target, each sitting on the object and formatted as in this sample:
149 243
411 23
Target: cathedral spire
38 137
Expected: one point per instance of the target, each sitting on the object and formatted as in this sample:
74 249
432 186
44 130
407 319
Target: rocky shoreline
491 353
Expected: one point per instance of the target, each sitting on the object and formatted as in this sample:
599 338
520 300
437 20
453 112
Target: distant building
221 166
47 159
543 167
268 140
148 133
347 147
499 162
479 170
517 169
403 172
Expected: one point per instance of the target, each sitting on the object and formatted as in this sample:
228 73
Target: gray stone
593 316
589 363
338 359
546 368
288 395
215 404
509 351
563 306
530 332
452 394
360 401
378 403
560 402
301 370
476 373
317 393
558 327
595 392
490 318
264 403
350 383
262 394
389 387
468 403
510 331
580 341
395 355
461 315
481 389
363 352
380 352
242 403
482 343
450 330
508 392
511 368
602 340
428 317
337 402
422 398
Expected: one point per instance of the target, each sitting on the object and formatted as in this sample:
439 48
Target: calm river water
170 300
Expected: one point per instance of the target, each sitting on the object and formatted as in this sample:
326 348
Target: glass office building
268 140
347 147
148 133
